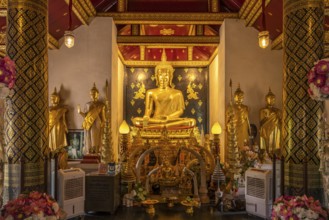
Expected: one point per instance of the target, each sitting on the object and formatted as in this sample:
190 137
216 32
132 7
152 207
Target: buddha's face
163 78
270 100
54 99
94 95
238 99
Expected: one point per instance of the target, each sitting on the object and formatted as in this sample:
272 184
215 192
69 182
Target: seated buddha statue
167 174
163 105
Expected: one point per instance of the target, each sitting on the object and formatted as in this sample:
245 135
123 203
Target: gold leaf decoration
200 86
190 91
140 94
200 70
199 119
173 85
186 102
145 70
179 77
132 102
168 31
132 69
132 85
200 102
193 111
139 110
185 69
153 77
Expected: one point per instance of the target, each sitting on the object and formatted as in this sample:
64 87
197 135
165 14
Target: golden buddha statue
94 119
167 174
240 118
270 126
57 123
164 105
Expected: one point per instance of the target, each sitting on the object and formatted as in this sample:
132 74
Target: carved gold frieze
168 18
168 39
277 43
166 31
255 13
246 7
52 42
173 63
81 10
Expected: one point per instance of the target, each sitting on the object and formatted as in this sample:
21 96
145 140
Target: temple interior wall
94 58
256 69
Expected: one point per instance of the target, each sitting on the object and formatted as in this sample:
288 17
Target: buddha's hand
164 117
145 120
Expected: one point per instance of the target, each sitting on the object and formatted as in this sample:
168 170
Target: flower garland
318 80
298 207
34 204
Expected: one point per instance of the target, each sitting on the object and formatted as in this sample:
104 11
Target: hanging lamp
68 35
263 36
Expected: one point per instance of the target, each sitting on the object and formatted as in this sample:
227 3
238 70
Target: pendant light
69 36
263 36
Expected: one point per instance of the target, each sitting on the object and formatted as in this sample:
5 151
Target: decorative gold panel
27 115
302 38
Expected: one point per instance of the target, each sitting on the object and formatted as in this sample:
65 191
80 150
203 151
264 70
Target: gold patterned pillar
303 44
27 115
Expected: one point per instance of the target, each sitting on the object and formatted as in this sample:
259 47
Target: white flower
300 212
310 214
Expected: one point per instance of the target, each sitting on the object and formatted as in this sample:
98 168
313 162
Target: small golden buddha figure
94 119
270 126
57 123
167 174
240 118
164 105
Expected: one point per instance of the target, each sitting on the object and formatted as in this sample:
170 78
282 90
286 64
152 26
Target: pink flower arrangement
7 72
318 80
34 204
298 207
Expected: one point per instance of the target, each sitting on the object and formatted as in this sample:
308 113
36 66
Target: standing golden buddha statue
94 119
58 129
164 105
57 123
270 126
240 118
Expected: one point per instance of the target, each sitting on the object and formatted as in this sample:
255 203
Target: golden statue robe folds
241 121
57 128
92 126
270 129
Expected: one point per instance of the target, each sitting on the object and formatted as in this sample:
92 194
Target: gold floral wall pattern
193 82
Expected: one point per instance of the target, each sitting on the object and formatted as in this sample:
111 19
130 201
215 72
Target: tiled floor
165 213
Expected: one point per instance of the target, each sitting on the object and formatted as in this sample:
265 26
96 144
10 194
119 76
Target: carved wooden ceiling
187 29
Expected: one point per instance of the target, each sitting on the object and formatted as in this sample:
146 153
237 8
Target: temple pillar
26 119
303 32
